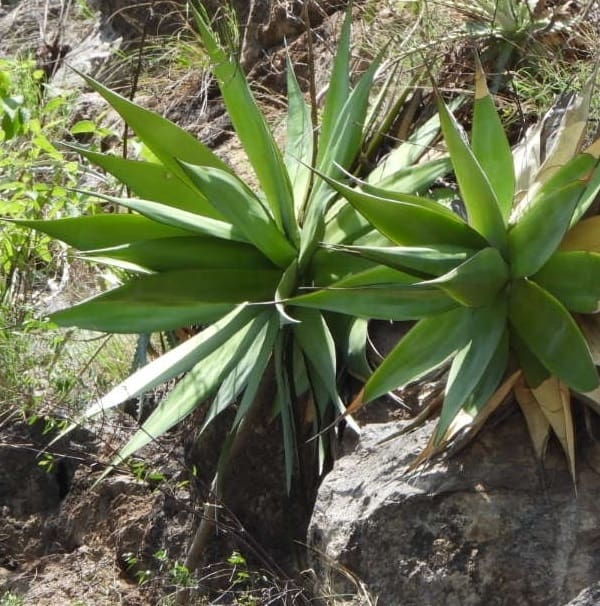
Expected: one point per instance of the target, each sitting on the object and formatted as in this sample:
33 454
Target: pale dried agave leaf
550 144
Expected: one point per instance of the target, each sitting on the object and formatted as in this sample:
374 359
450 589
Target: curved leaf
552 335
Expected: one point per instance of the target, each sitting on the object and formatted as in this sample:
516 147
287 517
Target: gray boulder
486 527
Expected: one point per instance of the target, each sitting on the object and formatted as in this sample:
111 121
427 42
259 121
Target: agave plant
206 249
500 292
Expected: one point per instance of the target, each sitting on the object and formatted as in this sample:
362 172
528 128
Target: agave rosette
205 249
499 291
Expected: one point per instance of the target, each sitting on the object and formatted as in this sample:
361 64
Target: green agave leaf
174 217
381 293
184 252
552 335
487 327
253 359
431 260
534 371
338 90
573 278
252 130
430 343
477 281
329 265
152 182
198 384
166 140
170 300
411 178
408 153
541 228
312 333
102 231
243 209
490 380
490 145
478 195
418 222
351 336
284 404
338 157
299 141
344 224
593 187
176 361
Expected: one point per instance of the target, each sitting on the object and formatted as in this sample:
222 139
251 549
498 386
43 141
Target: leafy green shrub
208 250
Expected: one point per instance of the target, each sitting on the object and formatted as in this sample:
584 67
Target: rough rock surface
487 527
590 596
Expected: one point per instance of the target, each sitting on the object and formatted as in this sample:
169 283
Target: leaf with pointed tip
166 140
284 404
170 300
153 182
351 336
477 281
432 260
197 385
541 228
490 145
379 293
175 361
102 231
414 222
338 157
552 335
243 209
176 217
252 130
411 178
555 403
339 87
430 343
187 252
477 193
537 423
251 361
572 277
485 331
317 344
299 141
